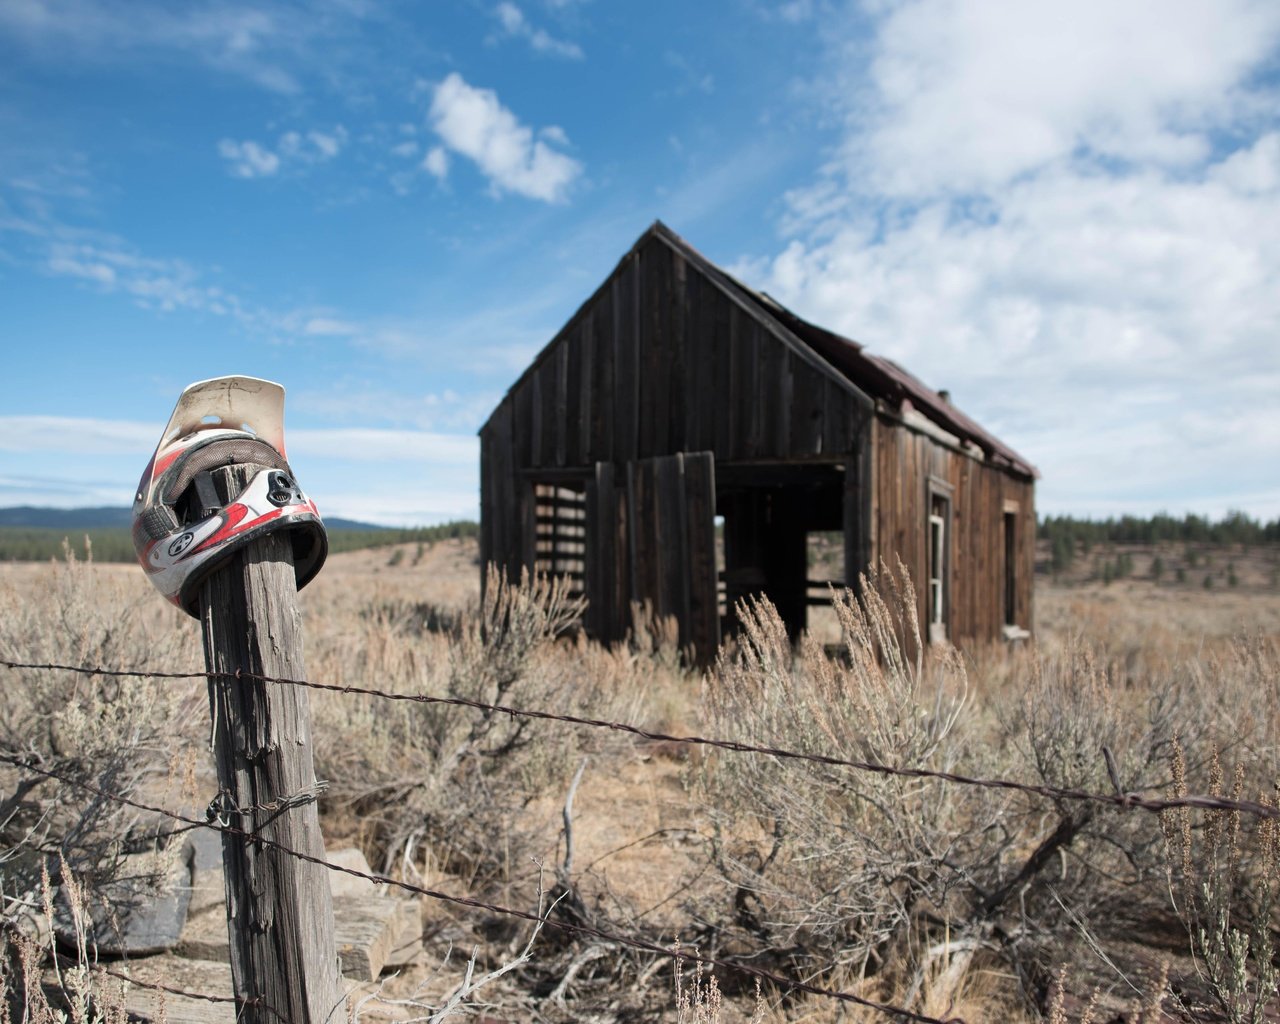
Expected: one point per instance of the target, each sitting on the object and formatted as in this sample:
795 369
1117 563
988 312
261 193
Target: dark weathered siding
670 356
906 460
662 360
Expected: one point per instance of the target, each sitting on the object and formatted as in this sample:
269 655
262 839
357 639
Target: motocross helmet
182 530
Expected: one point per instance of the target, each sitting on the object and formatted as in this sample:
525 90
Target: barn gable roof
866 375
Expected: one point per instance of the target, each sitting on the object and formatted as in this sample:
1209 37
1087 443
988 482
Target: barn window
1010 568
560 511
939 568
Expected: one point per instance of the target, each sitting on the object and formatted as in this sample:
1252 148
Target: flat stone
407 947
136 914
369 932
342 884
199 977
196 976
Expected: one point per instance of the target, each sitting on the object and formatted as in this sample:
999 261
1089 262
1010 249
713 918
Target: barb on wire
902 1013
1126 801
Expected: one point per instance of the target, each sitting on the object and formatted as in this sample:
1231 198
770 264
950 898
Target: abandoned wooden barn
676 398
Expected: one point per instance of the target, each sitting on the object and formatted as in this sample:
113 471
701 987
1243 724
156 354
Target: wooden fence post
279 908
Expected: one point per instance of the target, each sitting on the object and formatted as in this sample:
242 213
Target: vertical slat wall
671 506
904 462
661 360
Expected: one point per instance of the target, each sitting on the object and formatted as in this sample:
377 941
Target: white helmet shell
181 531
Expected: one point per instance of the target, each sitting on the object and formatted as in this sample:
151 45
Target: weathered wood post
279 908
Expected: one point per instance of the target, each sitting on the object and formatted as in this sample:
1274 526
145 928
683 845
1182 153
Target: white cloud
78 435
368 444
326 145
436 162
328 327
1034 207
965 96
248 159
474 123
516 25
160 284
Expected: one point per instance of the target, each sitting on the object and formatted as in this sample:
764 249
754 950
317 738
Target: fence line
1127 801
244 836
156 986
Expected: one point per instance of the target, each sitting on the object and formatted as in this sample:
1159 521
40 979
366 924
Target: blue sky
1067 215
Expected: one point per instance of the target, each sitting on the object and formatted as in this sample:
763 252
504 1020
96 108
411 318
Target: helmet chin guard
182 531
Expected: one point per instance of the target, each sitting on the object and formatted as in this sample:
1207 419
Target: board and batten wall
909 464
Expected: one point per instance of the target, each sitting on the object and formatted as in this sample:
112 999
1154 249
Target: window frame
939 528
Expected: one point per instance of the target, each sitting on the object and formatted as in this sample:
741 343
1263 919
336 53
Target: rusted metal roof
876 376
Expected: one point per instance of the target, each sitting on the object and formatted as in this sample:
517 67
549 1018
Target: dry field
953 901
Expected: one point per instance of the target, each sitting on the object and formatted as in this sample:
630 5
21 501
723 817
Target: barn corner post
279 907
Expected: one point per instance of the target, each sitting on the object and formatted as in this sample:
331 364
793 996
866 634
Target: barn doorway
770 515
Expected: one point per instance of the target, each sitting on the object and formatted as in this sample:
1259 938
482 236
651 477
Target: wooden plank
700 498
697 342
488 502
670 541
149 1004
677 318
567 387
806 407
626 364
722 377
581 451
596 588
548 379
751 424
534 425
368 929
602 354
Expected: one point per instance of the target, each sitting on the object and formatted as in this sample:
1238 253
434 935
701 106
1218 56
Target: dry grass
911 892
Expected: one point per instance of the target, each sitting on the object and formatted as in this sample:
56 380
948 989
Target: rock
199 977
369 931
142 911
342 884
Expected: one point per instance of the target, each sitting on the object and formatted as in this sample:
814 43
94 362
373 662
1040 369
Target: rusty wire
1123 800
902 1013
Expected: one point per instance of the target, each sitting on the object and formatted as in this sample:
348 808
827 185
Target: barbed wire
902 1013
1126 800
241 1001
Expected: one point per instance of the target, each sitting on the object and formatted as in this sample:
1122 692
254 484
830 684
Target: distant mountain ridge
108 517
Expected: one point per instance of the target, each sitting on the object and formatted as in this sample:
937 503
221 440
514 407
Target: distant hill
30 534
109 518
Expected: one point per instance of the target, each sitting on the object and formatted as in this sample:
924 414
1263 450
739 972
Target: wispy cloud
436 163
516 26
258 42
250 159
474 123
78 435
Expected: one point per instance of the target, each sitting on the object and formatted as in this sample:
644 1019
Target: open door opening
771 514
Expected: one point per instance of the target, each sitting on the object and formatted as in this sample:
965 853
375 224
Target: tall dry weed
122 735
450 783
